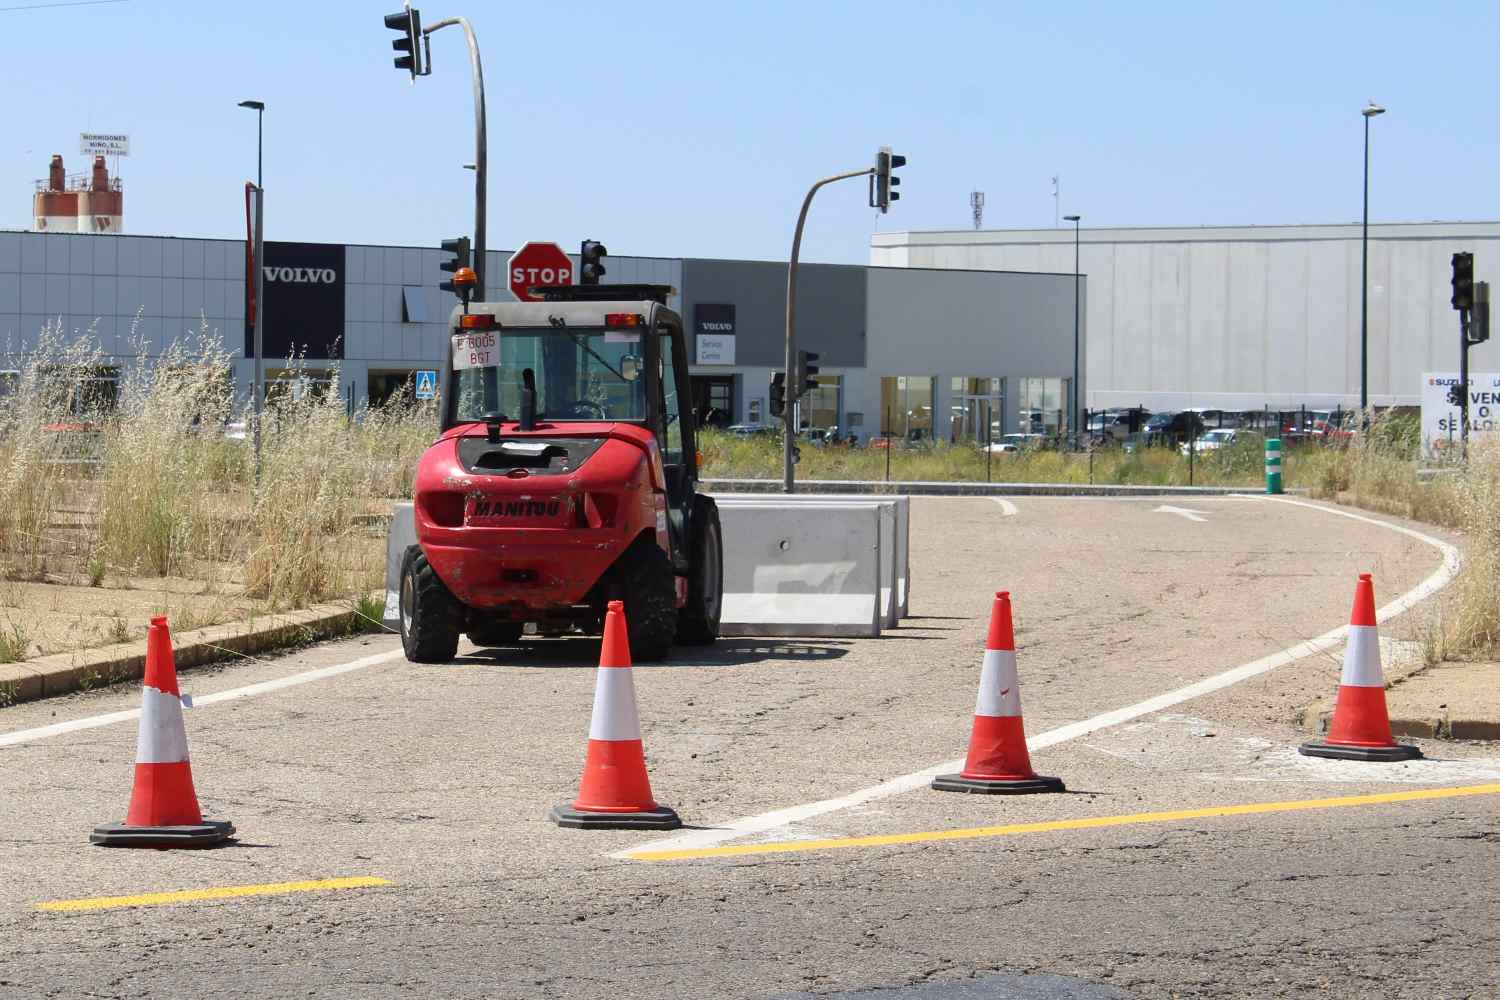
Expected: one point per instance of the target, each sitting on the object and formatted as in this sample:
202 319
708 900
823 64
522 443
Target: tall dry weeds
171 479
48 435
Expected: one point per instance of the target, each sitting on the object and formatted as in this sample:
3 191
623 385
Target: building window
390 385
820 407
906 406
284 384
413 305
975 406
1041 404
83 390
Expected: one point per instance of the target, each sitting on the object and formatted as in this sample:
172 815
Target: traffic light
883 182
1463 281
409 23
1479 318
803 381
591 262
459 248
1456 394
778 394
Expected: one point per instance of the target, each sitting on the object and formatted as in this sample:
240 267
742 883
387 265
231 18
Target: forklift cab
585 357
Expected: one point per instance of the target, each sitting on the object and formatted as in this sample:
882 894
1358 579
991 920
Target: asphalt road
1332 879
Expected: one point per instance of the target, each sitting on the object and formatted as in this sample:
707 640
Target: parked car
1113 424
1017 442
749 430
1333 424
1174 428
1221 437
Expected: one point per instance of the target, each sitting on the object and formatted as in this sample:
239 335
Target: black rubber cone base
660 818
1339 751
205 834
979 786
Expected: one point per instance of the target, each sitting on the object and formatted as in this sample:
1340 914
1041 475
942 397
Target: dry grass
1243 464
152 489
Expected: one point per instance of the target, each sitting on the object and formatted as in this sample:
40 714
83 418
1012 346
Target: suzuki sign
538 264
1442 422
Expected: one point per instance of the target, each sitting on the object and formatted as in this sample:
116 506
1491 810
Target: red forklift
565 475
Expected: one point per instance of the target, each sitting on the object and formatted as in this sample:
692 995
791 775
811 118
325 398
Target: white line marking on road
766 822
1191 515
249 691
1007 509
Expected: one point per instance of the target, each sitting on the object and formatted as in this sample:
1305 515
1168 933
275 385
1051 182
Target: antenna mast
976 202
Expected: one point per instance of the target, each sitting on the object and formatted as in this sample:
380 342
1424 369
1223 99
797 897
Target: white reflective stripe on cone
162 739
1362 658
615 716
999 693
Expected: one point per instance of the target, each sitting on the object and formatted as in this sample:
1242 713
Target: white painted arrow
1191 515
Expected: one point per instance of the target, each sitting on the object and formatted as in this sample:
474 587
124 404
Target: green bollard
1273 465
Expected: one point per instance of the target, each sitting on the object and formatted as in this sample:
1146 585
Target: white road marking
1286 764
249 691
766 822
1191 515
1007 509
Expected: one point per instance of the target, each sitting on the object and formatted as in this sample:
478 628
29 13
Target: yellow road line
930 836
220 892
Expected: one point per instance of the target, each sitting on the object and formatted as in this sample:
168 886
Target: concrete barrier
808 571
823 566
891 540
403 534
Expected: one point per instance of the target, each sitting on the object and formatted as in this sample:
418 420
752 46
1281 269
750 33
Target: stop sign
538 264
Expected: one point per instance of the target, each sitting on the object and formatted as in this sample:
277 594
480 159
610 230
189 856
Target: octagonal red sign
538 264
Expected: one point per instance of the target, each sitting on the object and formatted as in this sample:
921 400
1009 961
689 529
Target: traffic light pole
1463 383
480 144
794 391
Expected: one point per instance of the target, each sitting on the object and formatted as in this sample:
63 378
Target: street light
1073 415
1370 111
259 108
258 278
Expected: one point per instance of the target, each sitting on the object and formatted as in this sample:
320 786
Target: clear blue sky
693 129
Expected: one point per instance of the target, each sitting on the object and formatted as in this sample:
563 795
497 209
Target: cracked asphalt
438 779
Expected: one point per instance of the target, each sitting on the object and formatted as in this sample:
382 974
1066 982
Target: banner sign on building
103 144
1442 427
303 311
713 327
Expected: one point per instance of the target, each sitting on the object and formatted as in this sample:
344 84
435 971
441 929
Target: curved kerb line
766 822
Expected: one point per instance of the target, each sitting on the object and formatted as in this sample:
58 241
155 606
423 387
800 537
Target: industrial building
918 353
1239 318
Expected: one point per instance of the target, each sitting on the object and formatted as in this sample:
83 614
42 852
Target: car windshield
1218 435
580 373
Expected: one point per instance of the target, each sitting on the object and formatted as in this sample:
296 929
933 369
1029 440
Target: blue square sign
427 384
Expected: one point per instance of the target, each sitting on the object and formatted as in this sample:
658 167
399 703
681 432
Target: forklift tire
430 614
650 594
496 633
698 619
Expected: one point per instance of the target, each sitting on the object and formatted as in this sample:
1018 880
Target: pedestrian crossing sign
427 384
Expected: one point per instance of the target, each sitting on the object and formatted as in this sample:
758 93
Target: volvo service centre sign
1441 427
713 329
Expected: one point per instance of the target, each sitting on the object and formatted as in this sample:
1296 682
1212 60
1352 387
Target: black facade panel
830 308
304 306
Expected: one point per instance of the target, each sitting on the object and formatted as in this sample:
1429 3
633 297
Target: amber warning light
476 321
624 319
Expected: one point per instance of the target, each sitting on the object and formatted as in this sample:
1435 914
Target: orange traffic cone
1361 729
616 794
998 763
163 806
